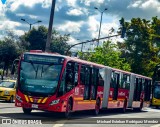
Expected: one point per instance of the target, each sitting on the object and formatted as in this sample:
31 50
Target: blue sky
75 17
3 1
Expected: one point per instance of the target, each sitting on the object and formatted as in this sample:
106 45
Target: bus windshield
39 78
157 91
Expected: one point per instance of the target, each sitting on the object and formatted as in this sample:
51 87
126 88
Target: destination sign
39 58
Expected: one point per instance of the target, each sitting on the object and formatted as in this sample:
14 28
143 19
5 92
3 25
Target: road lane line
58 125
156 125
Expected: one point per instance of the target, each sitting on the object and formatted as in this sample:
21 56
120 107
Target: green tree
139 47
35 39
59 42
9 51
107 55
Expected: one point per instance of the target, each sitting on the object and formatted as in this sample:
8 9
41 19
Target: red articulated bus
53 82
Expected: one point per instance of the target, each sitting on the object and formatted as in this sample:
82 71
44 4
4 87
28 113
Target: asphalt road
10 113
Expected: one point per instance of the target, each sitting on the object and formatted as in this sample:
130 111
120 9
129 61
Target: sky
75 17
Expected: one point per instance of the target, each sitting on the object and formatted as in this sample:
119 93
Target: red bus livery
52 82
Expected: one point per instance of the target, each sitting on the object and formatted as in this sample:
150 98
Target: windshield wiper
34 68
46 68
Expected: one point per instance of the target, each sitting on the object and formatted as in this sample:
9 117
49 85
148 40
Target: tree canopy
36 39
141 46
107 55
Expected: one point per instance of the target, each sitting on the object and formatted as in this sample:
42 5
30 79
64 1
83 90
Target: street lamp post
30 24
47 49
100 22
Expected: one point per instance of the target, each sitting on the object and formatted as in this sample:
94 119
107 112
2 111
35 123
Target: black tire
97 107
157 107
68 109
27 110
11 100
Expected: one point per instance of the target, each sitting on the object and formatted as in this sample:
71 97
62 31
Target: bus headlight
6 92
19 98
55 102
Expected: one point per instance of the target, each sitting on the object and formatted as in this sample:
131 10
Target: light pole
100 22
30 24
47 49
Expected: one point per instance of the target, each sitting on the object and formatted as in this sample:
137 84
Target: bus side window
112 80
139 89
125 81
69 80
101 81
95 76
87 82
82 75
127 86
143 84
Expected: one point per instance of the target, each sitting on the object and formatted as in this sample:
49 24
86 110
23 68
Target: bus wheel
157 107
68 109
27 110
97 107
124 106
11 99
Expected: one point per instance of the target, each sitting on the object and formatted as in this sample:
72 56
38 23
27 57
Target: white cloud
71 3
9 25
72 41
70 27
135 4
93 26
146 5
151 4
19 32
88 2
28 3
76 12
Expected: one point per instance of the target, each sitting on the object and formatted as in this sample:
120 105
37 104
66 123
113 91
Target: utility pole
100 22
47 49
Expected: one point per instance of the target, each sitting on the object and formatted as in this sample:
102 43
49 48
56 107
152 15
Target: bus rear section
125 90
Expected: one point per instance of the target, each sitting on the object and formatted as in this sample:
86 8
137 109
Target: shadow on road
155 107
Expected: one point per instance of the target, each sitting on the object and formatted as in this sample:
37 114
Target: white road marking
58 125
156 125
152 110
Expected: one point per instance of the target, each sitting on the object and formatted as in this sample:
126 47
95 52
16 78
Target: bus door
69 78
116 84
147 90
137 91
87 82
94 83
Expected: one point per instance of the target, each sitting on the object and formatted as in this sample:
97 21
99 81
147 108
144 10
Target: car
8 90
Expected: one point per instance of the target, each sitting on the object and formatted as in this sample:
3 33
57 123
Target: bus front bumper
44 107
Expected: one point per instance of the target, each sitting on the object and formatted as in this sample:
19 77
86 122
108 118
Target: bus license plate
34 106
